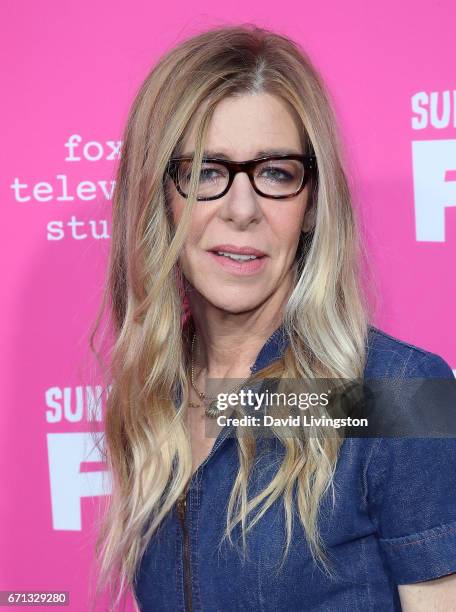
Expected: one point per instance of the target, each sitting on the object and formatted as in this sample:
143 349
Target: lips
238 260
236 250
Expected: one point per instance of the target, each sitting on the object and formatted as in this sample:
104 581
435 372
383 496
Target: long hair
146 444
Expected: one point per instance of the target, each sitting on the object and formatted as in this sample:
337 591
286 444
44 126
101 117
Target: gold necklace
211 410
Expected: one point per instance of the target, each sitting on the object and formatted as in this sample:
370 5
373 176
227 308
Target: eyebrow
209 153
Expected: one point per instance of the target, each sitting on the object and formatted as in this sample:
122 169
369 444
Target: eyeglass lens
271 177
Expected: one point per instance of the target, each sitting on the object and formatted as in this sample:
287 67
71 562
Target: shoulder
387 356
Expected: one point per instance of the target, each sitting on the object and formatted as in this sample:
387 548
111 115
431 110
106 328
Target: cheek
287 226
287 219
199 221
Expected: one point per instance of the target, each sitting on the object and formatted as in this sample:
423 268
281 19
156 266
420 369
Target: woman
235 255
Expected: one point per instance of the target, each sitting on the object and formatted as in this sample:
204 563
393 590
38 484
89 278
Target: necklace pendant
212 411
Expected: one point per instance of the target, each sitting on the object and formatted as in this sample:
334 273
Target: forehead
246 126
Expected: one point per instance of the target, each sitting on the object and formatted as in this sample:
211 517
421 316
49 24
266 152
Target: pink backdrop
71 70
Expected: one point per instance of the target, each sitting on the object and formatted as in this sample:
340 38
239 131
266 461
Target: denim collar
275 346
272 349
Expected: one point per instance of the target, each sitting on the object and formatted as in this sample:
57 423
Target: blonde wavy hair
146 444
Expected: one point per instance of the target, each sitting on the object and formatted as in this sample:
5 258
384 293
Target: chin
234 304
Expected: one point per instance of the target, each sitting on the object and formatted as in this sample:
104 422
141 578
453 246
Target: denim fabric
393 521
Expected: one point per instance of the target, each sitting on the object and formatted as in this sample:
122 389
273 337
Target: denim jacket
393 522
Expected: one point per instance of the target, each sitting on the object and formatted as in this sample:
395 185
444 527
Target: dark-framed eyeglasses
276 176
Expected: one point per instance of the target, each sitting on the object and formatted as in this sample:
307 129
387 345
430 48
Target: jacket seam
425 539
422 350
374 452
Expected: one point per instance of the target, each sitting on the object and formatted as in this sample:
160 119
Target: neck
227 344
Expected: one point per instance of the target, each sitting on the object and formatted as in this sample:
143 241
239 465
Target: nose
240 205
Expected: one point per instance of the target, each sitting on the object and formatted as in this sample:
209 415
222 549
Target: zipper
181 509
182 512
182 505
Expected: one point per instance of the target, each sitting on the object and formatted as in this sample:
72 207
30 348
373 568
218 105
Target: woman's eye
208 174
276 174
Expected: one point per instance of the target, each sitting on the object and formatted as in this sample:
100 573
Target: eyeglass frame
233 167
